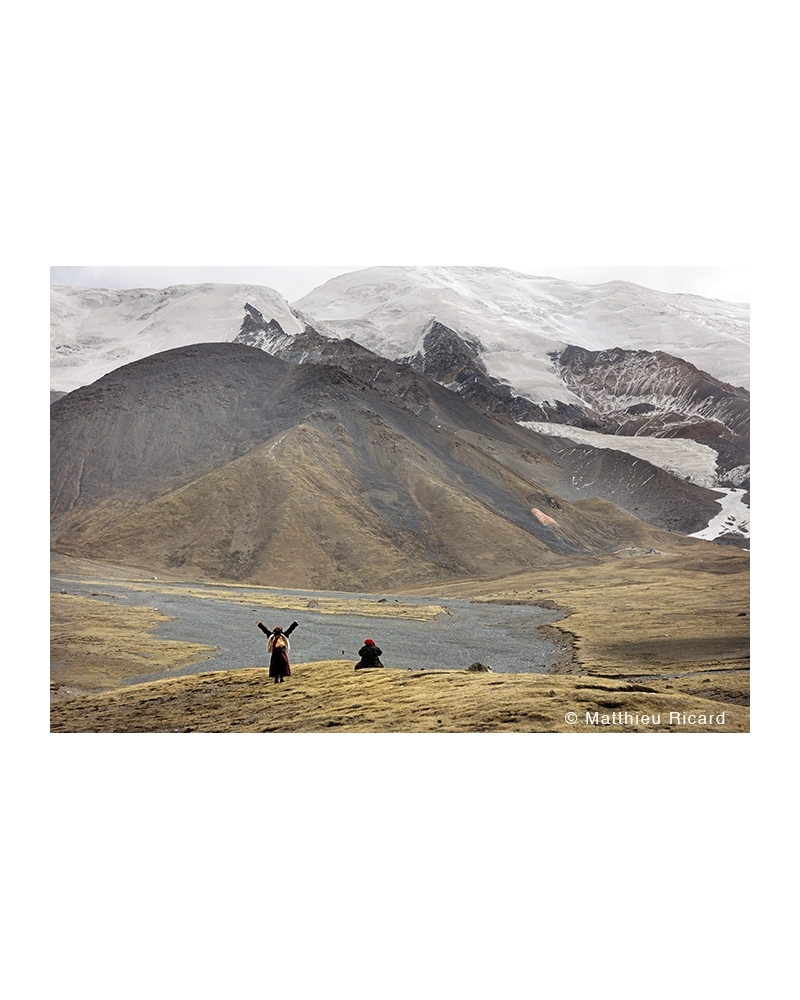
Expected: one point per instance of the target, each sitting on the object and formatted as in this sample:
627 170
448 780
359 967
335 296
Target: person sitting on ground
370 655
278 649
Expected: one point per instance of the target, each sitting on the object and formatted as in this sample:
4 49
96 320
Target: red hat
368 642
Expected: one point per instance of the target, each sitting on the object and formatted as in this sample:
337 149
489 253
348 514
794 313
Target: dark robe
279 658
370 657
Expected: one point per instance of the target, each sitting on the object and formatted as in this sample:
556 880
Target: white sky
729 283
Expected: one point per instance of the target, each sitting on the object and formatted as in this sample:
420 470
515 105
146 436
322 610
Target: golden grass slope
643 614
95 645
315 508
330 696
290 511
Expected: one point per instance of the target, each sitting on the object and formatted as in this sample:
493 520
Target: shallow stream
503 636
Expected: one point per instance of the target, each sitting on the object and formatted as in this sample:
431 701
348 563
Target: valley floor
660 643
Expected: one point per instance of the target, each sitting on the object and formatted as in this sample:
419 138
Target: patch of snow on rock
733 519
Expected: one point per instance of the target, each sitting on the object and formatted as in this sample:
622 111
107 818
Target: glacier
679 456
520 320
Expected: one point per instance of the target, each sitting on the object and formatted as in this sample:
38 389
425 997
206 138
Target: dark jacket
279 658
370 657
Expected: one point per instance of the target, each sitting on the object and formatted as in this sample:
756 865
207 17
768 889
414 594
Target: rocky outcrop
650 393
455 362
255 331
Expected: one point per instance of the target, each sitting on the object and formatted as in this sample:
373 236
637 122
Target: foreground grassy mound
329 696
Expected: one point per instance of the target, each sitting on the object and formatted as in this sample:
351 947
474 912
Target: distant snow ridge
95 330
516 322
519 320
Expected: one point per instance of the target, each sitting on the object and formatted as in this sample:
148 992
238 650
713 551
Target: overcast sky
731 284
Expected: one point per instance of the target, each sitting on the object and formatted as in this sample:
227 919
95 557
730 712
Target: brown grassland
663 635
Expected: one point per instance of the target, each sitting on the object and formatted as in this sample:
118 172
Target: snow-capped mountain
514 322
660 376
95 330
616 359
517 321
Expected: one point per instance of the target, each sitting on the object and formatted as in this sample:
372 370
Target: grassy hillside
647 614
223 462
660 643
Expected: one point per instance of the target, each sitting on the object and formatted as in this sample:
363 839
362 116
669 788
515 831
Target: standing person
370 655
278 649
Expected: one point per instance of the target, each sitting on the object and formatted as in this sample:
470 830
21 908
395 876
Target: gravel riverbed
504 636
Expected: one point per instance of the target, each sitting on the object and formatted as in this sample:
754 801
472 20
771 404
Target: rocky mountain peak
255 331
446 356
